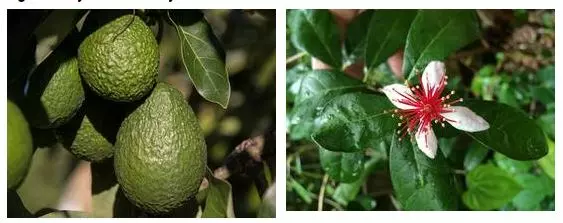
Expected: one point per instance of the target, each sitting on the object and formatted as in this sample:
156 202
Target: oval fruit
160 152
119 61
20 145
55 92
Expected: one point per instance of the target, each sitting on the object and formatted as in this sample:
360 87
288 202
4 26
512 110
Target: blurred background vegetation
248 40
513 63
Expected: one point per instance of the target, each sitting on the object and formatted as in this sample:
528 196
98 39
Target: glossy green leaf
315 32
547 163
435 34
512 166
387 32
474 156
293 80
340 166
354 122
535 189
202 59
347 192
489 187
421 183
316 89
355 42
511 131
219 201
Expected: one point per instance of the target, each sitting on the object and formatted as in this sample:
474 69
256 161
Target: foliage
223 63
339 126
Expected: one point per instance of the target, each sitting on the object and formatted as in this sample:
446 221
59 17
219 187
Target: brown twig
245 158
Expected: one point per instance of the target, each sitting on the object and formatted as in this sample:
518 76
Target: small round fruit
55 92
20 146
160 152
119 61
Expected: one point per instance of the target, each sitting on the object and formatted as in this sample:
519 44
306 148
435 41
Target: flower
419 106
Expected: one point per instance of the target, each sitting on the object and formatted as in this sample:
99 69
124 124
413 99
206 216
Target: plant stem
322 193
295 57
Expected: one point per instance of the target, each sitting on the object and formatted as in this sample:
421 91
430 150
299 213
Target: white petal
397 93
433 75
463 118
427 142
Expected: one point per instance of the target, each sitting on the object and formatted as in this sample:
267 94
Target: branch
245 158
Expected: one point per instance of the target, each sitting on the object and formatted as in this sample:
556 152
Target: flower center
427 106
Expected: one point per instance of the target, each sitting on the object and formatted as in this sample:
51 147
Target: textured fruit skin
90 135
119 61
160 152
55 92
20 146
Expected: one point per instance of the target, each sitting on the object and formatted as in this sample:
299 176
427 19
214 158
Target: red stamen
427 104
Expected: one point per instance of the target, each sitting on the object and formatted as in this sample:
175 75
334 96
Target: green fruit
20 146
119 61
91 134
160 152
55 92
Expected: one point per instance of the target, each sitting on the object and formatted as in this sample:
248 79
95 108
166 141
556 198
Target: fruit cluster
103 101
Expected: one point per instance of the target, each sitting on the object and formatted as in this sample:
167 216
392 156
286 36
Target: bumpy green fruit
160 152
119 61
55 92
20 146
91 134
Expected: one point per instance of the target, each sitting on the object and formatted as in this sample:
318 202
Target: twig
295 57
322 193
246 156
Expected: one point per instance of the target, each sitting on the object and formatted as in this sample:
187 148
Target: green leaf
49 170
421 183
512 166
219 201
343 167
547 76
347 192
474 156
355 121
489 188
511 131
355 42
547 163
268 207
543 94
102 203
387 33
535 189
315 32
547 123
53 31
201 57
435 34
294 76
316 89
